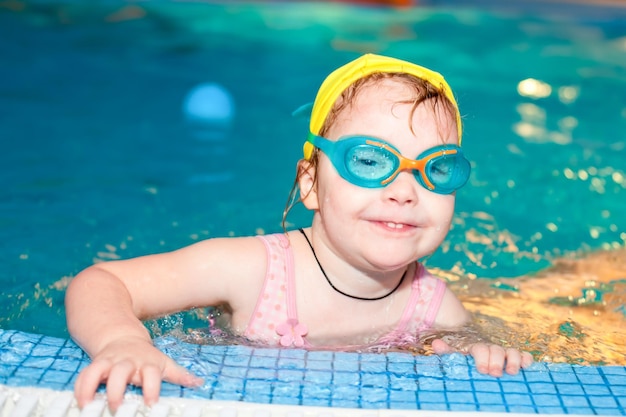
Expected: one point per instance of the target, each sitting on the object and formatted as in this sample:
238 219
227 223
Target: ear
307 184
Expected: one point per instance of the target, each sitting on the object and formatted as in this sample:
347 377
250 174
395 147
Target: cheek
442 209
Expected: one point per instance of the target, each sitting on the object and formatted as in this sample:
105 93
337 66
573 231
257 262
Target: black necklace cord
343 293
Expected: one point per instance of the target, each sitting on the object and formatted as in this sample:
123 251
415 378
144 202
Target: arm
490 358
106 302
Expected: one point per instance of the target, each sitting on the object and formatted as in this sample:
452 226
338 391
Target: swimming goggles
373 163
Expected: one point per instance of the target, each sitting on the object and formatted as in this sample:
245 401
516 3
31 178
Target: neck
346 294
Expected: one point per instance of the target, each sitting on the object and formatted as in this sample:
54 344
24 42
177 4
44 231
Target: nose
403 189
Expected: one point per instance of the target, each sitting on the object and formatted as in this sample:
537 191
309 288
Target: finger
513 361
88 381
497 357
527 359
441 348
119 377
151 384
176 374
480 353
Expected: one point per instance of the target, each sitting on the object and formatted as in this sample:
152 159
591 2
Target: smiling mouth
397 226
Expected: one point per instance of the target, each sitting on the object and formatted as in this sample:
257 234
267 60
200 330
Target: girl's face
383 229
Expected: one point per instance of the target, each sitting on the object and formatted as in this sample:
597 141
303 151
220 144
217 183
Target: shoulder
452 313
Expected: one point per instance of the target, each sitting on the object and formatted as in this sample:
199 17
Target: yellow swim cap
344 76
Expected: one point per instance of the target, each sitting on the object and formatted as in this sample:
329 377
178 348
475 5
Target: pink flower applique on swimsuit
292 333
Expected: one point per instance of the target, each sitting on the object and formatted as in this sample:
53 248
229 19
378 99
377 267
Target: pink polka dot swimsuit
275 320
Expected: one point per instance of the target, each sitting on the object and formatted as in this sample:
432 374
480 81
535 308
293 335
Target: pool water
102 162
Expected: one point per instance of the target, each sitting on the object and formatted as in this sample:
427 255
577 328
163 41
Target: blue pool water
101 162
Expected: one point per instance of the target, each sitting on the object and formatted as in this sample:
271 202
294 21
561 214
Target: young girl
381 164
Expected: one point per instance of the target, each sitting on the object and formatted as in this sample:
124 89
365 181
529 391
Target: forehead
385 105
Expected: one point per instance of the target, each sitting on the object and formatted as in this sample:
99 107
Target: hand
130 361
490 359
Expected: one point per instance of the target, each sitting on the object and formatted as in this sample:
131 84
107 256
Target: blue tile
318 377
226 385
263 362
460 397
401 367
522 409
618 390
592 379
460 386
347 356
349 366
345 403
404 384
432 397
374 380
316 391
517 399
319 365
615 370
236 360
616 379
570 401
434 406
226 396
430 370
261 374
285 389
315 402
258 397
462 407
64 365
546 400
550 410
538 377
268 352
292 354
570 389
430 384
285 400
487 386
580 411
596 390
374 394
374 366
345 392
291 363
489 408
608 411
373 405
402 396
258 387
489 398
401 405
41 362
602 401
32 374
514 387
56 377
541 388
7 370
561 377
346 378
45 350
320 355
290 375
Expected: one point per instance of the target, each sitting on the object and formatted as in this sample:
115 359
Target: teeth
394 225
